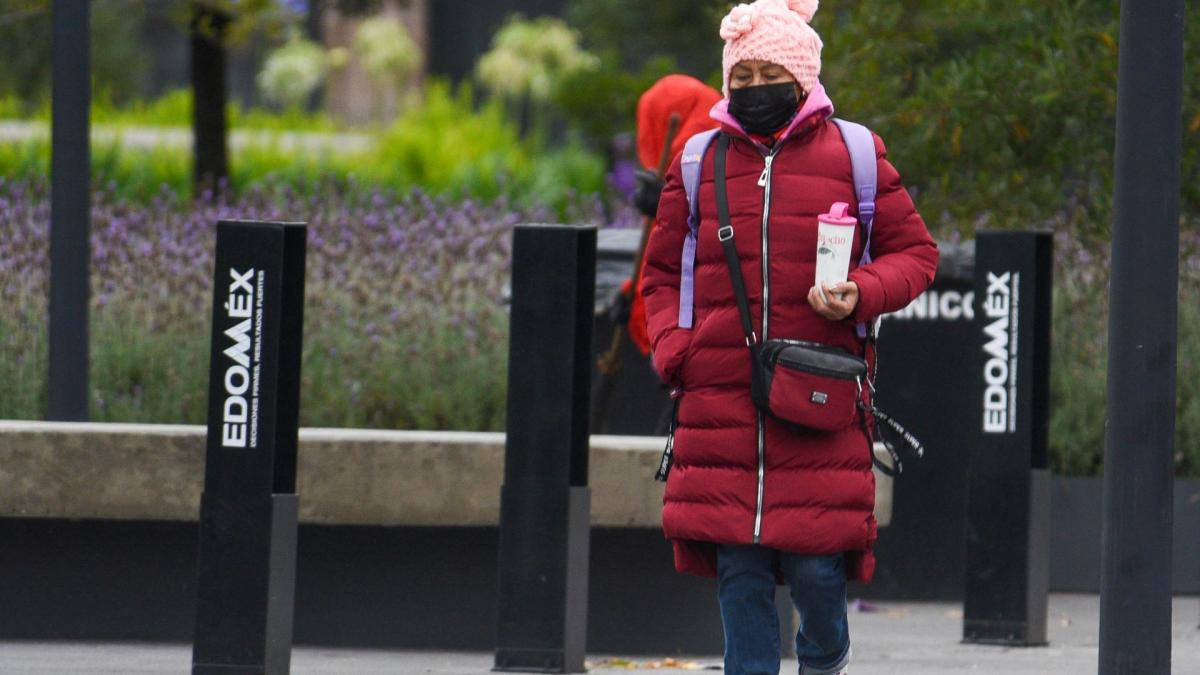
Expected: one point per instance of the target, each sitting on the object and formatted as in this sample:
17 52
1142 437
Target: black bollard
70 213
1008 476
922 551
1139 441
248 512
545 501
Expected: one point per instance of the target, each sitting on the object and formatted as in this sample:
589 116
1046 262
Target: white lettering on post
237 374
939 306
1000 369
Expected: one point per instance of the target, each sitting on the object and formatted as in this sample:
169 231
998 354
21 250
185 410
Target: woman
749 499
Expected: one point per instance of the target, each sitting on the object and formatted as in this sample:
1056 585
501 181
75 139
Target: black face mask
764 109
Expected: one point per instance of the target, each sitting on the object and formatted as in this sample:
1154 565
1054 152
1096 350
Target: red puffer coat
804 492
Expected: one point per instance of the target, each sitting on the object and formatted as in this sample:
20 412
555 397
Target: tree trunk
209 127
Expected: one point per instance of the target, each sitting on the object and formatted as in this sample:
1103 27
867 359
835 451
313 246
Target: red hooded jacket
804 491
691 99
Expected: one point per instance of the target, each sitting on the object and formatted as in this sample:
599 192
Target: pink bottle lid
838 215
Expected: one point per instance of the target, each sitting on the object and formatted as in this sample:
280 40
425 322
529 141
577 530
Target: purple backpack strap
861 145
690 163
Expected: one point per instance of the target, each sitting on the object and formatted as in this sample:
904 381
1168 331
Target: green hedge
448 145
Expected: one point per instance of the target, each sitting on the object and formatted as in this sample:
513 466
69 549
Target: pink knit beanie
776 31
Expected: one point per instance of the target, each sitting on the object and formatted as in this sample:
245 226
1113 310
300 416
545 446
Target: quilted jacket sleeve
660 279
904 256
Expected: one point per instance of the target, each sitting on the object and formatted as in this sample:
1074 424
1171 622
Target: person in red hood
680 95
691 99
749 499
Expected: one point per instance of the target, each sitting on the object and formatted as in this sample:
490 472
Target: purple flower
420 276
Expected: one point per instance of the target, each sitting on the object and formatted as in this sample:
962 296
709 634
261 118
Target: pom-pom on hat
776 31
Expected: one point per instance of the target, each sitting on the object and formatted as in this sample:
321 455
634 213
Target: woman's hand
828 305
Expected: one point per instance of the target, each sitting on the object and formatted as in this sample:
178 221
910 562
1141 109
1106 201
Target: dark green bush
997 114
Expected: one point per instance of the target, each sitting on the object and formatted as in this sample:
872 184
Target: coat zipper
764 181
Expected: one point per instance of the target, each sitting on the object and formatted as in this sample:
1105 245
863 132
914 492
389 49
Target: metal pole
1135 599
545 500
70 163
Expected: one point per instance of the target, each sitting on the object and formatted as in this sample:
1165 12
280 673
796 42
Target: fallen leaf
665 664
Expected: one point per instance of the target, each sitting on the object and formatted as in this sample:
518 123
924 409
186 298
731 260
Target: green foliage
23 365
25 43
405 326
147 366
997 114
291 119
148 370
530 59
1187 403
1078 360
1078 370
571 167
237 21
638 32
173 109
1000 114
446 146
602 103
470 392
639 42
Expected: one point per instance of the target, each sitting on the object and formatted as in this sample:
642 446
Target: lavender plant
405 323
1079 355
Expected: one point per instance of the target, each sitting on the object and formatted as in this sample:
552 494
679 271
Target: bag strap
906 438
860 143
725 235
690 163
668 456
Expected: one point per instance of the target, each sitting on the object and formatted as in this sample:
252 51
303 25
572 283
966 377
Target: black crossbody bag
808 384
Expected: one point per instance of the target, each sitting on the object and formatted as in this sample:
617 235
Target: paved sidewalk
899 639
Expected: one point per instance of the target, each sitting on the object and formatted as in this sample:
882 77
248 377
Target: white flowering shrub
293 72
386 50
532 57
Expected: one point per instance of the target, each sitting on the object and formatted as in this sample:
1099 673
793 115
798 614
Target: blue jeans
746 590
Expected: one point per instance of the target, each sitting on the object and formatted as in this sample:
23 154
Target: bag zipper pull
762 180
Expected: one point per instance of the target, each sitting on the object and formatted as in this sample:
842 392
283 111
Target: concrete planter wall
1075 521
397 543
345 477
